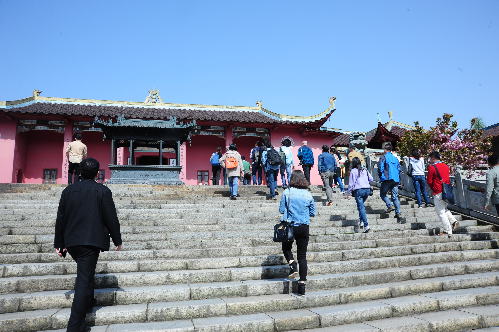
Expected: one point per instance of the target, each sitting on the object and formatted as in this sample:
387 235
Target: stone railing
469 195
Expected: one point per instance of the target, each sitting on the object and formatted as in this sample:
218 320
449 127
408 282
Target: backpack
215 159
273 157
283 156
231 162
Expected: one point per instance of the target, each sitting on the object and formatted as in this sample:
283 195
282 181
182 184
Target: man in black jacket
85 219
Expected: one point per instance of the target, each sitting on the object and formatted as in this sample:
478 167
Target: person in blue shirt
271 171
389 175
216 168
327 166
306 157
297 206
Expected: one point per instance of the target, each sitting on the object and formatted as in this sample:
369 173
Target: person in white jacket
287 162
233 164
416 172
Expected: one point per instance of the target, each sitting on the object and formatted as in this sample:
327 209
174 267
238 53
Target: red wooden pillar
228 136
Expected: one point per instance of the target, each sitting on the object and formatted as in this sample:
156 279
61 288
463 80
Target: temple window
203 177
49 175
101 176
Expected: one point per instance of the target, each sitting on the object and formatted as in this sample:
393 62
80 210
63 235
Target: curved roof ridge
104 102
287 117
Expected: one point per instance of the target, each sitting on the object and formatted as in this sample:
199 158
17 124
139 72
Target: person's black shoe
233 198
301 288
276 192
238 195
366 230
429 205
293 270
390 209
400 220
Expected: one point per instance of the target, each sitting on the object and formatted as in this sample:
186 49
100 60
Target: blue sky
416 58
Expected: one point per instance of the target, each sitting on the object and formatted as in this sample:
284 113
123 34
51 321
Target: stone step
157 233
369 239
242 300
235 213
187 266
211 239
183 227
483 318
271 259
467 308
338 273
343 250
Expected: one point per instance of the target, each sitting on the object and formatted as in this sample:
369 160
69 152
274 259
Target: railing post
459 191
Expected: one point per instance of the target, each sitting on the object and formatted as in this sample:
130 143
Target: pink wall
245 144
201 148
198 156
44 149
7 147
98 149
315 143
36 150
20 157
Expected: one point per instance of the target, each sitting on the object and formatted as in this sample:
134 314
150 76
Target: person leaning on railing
492 192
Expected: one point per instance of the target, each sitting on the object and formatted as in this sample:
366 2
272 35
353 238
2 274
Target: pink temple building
35 131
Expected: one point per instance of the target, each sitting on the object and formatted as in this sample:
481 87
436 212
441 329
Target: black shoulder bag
283 231
447 190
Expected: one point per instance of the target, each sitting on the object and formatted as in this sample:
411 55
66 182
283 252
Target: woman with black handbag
297 206
360 188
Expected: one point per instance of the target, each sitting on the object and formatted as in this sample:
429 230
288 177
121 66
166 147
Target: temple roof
491 131
344 139
381 135
159 110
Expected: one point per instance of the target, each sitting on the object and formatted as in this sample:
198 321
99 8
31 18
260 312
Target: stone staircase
196 261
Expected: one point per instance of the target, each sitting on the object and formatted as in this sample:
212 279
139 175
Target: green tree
477 123
414 139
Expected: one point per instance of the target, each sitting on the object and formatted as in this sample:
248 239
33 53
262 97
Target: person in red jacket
435 181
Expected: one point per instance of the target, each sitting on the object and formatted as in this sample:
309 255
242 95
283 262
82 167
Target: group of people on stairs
87 218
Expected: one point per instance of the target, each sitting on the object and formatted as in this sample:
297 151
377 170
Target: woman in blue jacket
297 206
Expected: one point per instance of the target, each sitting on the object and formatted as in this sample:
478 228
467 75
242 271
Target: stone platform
150 174
196 261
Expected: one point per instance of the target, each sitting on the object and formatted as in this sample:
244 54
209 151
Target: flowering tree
466 148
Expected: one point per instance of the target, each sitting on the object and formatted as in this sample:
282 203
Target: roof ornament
331 101
378 116
259 104
358 140
37 93
389 125
153 97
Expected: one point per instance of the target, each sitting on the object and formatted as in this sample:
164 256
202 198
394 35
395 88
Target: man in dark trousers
85 219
